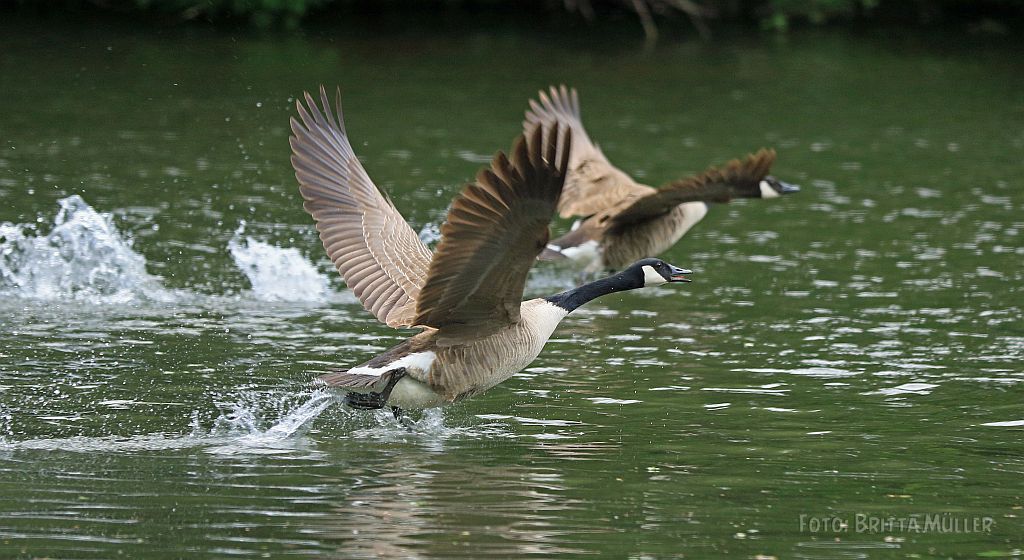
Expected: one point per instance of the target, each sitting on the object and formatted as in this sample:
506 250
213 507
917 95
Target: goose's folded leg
375 400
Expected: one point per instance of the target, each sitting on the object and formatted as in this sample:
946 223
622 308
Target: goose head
641 274
746 178
770 187
654 272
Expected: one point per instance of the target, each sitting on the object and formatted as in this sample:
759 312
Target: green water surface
845 356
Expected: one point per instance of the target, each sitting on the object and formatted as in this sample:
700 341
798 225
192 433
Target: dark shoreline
723 18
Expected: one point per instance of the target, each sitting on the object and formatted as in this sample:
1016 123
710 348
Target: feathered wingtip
537 156
558 102
751 169
494 231
319 115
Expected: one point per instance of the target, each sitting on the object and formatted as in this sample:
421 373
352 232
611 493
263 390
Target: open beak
788 188
679 274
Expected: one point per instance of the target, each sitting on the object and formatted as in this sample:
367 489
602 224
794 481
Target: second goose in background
621 220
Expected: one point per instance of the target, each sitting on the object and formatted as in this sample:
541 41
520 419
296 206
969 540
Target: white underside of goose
409 394
692 213
586 255
522 345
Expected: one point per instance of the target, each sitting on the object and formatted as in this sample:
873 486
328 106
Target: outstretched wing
495 229
592 183
380 257
737 178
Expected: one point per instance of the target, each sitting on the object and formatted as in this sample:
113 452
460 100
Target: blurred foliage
779 15
286 14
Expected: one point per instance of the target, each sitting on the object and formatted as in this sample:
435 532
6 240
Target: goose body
438 374
622 220
467 296
595 248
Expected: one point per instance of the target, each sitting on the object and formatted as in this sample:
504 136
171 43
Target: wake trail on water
79 255
242 429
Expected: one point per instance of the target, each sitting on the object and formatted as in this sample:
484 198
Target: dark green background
839 352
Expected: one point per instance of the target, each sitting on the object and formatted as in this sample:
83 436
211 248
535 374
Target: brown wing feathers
380 257
716 184
593 183
561 106
494 232
720 184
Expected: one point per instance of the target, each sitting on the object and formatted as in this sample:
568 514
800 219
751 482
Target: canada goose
621 220
467 296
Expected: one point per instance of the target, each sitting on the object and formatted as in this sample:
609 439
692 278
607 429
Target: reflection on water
853 349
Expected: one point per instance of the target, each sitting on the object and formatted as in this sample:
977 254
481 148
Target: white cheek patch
767 191
651 277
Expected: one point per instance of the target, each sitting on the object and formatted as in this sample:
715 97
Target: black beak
678 274
788 188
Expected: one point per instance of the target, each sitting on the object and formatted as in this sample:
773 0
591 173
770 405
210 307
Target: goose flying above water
467 296
622 220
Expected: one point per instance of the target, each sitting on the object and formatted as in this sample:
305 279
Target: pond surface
847 360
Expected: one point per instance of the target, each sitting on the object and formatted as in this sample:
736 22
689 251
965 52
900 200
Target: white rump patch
584 253
767 191
651 276
420 362
554 248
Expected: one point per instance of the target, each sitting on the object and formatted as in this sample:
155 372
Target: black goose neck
571 299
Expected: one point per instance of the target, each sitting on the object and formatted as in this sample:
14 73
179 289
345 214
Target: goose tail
550 254
350 381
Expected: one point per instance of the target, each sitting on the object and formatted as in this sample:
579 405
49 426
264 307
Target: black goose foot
374 401
403 418
365 401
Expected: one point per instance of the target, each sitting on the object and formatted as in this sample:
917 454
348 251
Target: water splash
241 427
6 419
430 234
83 257
276 273
245 415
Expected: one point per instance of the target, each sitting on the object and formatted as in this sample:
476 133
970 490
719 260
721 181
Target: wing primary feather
737 177
380 257
593 184
494 232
